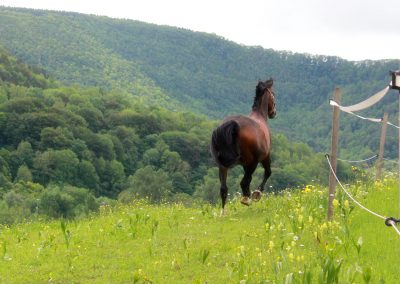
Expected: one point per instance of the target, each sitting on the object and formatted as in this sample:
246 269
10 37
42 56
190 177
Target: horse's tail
224 144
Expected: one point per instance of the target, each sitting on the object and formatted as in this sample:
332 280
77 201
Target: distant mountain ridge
199 72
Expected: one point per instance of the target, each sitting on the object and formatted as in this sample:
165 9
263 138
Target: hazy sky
351 29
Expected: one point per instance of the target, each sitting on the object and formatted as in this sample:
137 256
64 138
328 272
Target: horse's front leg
245 184
256 195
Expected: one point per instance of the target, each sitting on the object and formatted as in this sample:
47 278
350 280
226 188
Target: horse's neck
262 110
259 117
262 123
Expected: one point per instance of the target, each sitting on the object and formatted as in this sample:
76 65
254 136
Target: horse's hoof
256 195
222 214
245 200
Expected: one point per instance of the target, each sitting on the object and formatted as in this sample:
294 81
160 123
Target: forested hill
15 72
199 72
63 150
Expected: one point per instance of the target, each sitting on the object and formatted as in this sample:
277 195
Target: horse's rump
224 144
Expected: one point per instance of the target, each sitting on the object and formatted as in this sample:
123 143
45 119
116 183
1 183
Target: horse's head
264 101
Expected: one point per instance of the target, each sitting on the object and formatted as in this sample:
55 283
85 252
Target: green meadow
284 238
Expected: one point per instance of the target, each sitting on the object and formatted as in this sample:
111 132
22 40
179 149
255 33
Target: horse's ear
269 83
260 88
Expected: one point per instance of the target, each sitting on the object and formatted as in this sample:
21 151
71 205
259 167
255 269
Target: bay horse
246 141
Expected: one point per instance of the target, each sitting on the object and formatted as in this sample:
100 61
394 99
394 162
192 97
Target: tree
23 174
152 157
147 182
102 146
87 176
130 141
187 145
4 169
59 166
55 138
25 153
208 190
66 202
22 156
93 117
112 179
180 183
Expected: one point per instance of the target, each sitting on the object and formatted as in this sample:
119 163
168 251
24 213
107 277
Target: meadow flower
308 188
271 245
242 251
335 203
346 204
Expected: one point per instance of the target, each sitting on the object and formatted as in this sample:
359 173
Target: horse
246 141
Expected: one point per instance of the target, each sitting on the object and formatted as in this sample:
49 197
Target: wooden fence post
334 149
379 163
398 161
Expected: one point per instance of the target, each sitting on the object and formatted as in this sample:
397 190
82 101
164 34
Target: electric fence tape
365 104
360 161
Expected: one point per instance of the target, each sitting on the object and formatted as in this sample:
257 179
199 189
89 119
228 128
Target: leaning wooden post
379 163
334 149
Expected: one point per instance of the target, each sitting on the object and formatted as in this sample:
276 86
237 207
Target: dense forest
203 73
66 149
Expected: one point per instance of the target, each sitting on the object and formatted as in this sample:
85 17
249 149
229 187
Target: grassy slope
282 237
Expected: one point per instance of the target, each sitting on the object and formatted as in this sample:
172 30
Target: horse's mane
260 90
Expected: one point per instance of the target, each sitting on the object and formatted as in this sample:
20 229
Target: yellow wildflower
271 245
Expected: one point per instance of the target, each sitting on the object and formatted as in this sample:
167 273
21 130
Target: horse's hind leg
223 172
256 196
245 184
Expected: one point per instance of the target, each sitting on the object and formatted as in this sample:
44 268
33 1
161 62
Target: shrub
66 202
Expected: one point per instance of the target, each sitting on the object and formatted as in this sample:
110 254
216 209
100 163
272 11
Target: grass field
284 238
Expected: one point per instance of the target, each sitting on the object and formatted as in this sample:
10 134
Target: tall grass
284 238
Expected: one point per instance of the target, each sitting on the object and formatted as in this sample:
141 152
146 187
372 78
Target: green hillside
106 176
199 72
13 71
68 149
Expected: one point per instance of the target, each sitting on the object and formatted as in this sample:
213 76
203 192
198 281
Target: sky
350 29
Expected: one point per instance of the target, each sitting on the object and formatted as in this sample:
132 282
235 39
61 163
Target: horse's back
254 140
